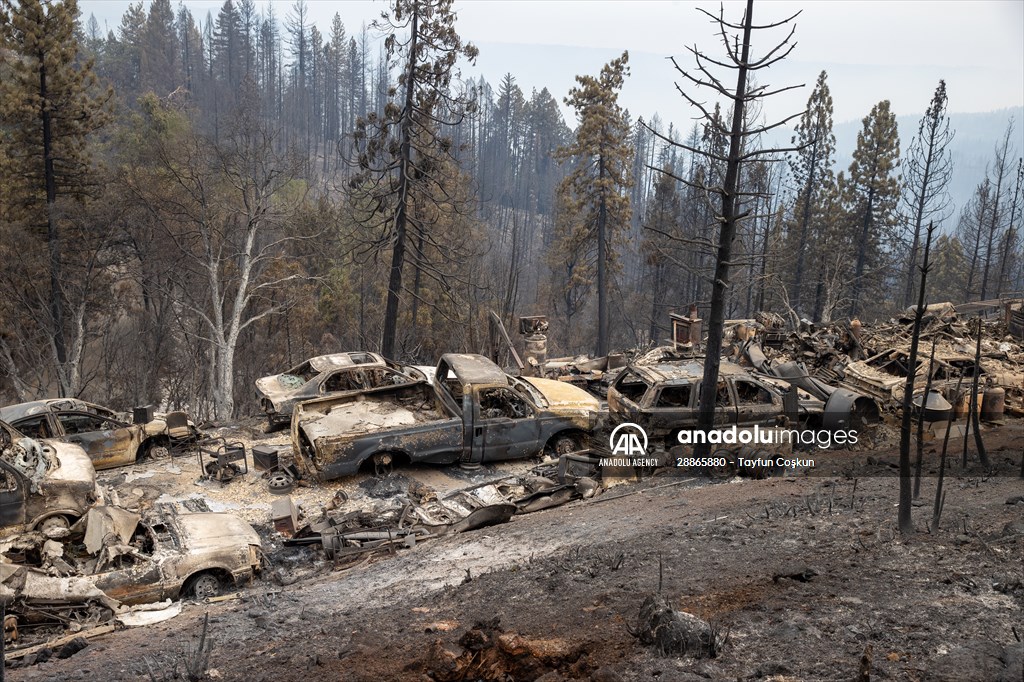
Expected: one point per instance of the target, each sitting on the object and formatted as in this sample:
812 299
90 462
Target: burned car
43 484
664 398
327 375
472 412
109 438
136 559
165 555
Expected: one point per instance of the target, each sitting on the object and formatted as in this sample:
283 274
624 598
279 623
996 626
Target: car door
108 443
343 380
507 424
673 409
625 401
755 403
12 496
37 426
132 578
725 405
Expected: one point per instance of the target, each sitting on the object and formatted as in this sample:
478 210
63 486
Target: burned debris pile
873 359
347 532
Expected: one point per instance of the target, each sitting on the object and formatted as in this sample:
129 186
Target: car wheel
54 523
153 449
271 425
280 484
205 586
563 445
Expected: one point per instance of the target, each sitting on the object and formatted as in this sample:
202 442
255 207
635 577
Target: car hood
72 462
279 385
564 396
211 531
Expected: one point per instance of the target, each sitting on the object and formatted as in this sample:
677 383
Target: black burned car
327 375
664 399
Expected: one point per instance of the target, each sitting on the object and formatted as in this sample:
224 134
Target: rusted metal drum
963 403
537 348
993 404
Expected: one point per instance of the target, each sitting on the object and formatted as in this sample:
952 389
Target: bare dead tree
738 59
905 522
927 172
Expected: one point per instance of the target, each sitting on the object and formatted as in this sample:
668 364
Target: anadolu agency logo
626 438
628 443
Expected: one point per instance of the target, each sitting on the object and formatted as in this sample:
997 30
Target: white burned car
135 559
165 555
328 375
43 483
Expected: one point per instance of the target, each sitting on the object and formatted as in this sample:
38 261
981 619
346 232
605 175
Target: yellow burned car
472 413
109 438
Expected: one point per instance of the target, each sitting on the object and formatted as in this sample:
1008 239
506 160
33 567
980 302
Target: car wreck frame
106 436
471 413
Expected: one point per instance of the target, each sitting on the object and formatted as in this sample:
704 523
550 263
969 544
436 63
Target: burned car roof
322 363
684 372
15 412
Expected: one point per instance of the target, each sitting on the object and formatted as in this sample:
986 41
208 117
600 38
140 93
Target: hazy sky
877 50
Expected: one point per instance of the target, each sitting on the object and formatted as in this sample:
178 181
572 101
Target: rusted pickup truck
471 412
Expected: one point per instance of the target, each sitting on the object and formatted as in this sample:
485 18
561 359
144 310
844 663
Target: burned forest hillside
326 352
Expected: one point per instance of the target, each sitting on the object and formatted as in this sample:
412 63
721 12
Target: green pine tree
811 167
874 189
407 171
50 102
596 189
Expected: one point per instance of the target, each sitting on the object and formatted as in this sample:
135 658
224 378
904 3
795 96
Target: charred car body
135 559
327 375
665 398
109 438
43 483
472 412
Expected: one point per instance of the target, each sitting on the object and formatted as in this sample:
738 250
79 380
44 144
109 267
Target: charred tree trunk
602 270
920 422
53 236
940 496
862 254
978 442
727 233
405 168
906 524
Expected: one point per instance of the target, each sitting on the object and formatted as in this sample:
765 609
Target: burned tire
204 586
274 425
154 448
563 444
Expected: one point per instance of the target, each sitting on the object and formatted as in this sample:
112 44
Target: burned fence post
920 422
978 442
